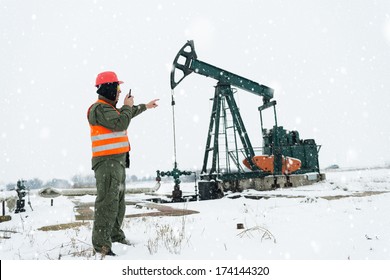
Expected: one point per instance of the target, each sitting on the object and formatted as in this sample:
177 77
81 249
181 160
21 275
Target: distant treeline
86 181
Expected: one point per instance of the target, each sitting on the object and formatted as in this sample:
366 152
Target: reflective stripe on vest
107 142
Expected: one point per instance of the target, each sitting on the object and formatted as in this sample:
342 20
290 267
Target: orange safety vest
107 142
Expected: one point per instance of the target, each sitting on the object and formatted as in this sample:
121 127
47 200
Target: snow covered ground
343 218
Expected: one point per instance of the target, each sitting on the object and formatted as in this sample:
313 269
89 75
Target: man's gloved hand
129 101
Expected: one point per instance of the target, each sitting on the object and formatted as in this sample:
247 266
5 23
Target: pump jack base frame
272 182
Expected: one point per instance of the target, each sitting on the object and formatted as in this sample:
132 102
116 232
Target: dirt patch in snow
85 211
63 226
359 194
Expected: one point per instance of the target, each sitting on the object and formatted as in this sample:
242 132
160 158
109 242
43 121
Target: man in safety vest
110 157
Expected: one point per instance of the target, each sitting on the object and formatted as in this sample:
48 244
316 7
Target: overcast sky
328 61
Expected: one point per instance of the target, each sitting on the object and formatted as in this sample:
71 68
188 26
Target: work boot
110 253
105 251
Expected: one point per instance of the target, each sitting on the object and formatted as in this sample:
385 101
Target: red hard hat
107 77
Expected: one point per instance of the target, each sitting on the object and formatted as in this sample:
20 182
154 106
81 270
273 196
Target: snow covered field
344 218
328 224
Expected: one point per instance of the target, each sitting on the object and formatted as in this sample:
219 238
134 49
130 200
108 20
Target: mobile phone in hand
129 93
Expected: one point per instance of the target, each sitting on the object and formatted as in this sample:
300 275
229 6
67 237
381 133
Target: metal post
210 131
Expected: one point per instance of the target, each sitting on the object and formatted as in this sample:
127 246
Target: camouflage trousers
109 204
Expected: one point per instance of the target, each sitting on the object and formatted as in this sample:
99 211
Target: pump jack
284 152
